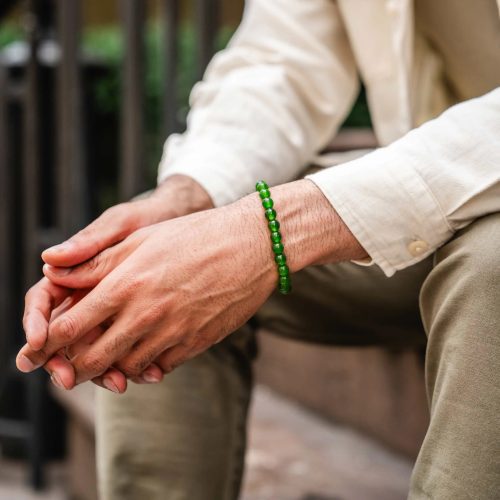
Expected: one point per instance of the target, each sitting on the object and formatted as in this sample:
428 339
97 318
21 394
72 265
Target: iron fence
44 184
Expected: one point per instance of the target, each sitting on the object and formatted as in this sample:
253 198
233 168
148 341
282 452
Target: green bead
284 285
278 248
274 225
276 237
261 185
280 259
264 193
270 214
267 203
284 281
283 270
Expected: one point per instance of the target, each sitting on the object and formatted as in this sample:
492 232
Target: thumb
92 271
112 226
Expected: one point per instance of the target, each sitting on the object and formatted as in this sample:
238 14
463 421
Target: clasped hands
137 293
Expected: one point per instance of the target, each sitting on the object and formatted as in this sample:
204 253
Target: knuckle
92 363
130 368
29 294
113 345
175 363
165 365
149 316
195 340
125 287
87 237
64 329
146 358
100 301
85 233
112 212
122 216
38 358
134 364
169 363
95 262
25 318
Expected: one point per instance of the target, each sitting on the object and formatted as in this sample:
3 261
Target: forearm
313 233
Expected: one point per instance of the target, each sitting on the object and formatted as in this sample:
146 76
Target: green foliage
9 33
106 45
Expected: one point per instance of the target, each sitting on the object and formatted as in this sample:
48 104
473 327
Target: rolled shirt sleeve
405 200
268 102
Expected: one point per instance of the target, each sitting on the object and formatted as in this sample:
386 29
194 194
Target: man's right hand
179 195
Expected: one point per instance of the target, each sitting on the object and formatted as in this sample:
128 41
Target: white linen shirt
277 94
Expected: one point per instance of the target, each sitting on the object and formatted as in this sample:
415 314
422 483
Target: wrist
180 195
313 233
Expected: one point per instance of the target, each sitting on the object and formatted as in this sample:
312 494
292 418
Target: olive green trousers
184 439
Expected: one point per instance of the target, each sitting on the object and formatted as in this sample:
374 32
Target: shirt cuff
387 206
221 174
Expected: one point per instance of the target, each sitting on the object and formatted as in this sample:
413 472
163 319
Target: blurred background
89 90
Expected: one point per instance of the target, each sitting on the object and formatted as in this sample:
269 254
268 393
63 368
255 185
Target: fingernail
62 247
24 364
56 380
58 271
150 378
109 384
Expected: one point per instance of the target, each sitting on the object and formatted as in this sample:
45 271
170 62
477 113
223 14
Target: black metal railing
44 189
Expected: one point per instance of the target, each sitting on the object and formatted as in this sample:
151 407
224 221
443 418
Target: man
424 210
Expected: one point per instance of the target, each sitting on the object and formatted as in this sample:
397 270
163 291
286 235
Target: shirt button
418 247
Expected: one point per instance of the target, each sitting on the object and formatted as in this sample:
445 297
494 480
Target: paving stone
13 482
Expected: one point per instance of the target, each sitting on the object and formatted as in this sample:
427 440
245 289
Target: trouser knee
466 274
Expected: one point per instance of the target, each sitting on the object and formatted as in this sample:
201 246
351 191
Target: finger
40 301
153 374
62 375
73 350
99 305
68 303
113 380
112 348
112 226
92 271
61 372
143 353
171 358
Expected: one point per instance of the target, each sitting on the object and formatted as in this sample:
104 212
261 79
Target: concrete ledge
375 390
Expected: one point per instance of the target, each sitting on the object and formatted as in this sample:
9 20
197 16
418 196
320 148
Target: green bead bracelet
284 281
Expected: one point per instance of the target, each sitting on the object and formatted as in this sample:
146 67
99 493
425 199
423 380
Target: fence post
30 212
72 183
31 151
207 19
6 207
171 34
132 149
